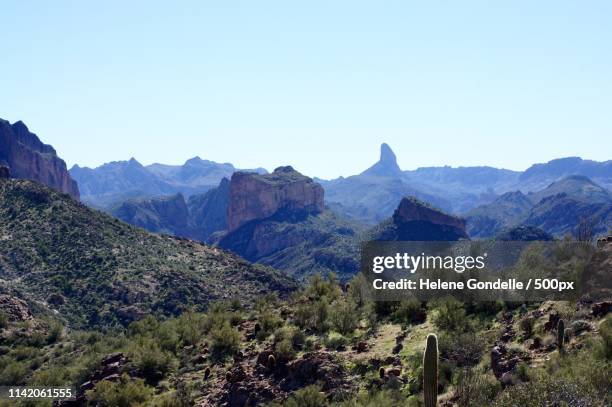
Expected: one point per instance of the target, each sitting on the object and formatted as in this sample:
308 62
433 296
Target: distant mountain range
372 195
113 183
194 199
557 209
169 198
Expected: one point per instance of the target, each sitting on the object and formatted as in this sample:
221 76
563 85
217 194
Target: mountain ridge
96 270
27 157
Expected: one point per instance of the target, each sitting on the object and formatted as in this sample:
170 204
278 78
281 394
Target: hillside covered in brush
95 269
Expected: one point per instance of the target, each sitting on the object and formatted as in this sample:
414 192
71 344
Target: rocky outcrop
208 211
168 214
29 158
254 196
412 210
197 218
279 220
15 309
414 220
386 166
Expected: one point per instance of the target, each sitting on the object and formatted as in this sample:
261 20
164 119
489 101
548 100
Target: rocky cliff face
414 220
198 218
29 158
168 214
279 220
255 196
208 211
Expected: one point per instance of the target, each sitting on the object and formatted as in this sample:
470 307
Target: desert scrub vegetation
178 360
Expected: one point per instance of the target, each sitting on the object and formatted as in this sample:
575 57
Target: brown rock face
255 196
28 158
14 308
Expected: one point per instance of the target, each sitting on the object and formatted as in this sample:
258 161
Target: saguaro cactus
430 371
271 362
560 334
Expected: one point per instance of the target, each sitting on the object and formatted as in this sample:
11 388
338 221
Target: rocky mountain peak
29 158
387 156
413 210
255 196
414 220
386 165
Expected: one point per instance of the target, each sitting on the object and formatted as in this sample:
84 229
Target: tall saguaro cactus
560 334
430 371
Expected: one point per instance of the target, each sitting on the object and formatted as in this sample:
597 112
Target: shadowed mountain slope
95 269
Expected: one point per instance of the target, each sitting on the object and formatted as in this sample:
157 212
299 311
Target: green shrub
450 316
55 332
13 373
409 312
284 350
190 327
292 334
54 376
605 330
545 392
266 302
579 326
303 315
126 393
152 362
463 349
268 321
225 341
335 341
313 316
319 288
358 290
474 389
344 317
379 398
309 396
4 320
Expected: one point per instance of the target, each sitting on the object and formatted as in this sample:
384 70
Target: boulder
600 309
15 309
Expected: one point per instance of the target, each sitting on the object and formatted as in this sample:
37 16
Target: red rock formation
254 196
28 158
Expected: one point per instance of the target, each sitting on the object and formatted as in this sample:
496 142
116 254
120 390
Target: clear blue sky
318 85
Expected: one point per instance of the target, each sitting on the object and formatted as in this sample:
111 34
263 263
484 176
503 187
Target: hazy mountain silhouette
118 181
